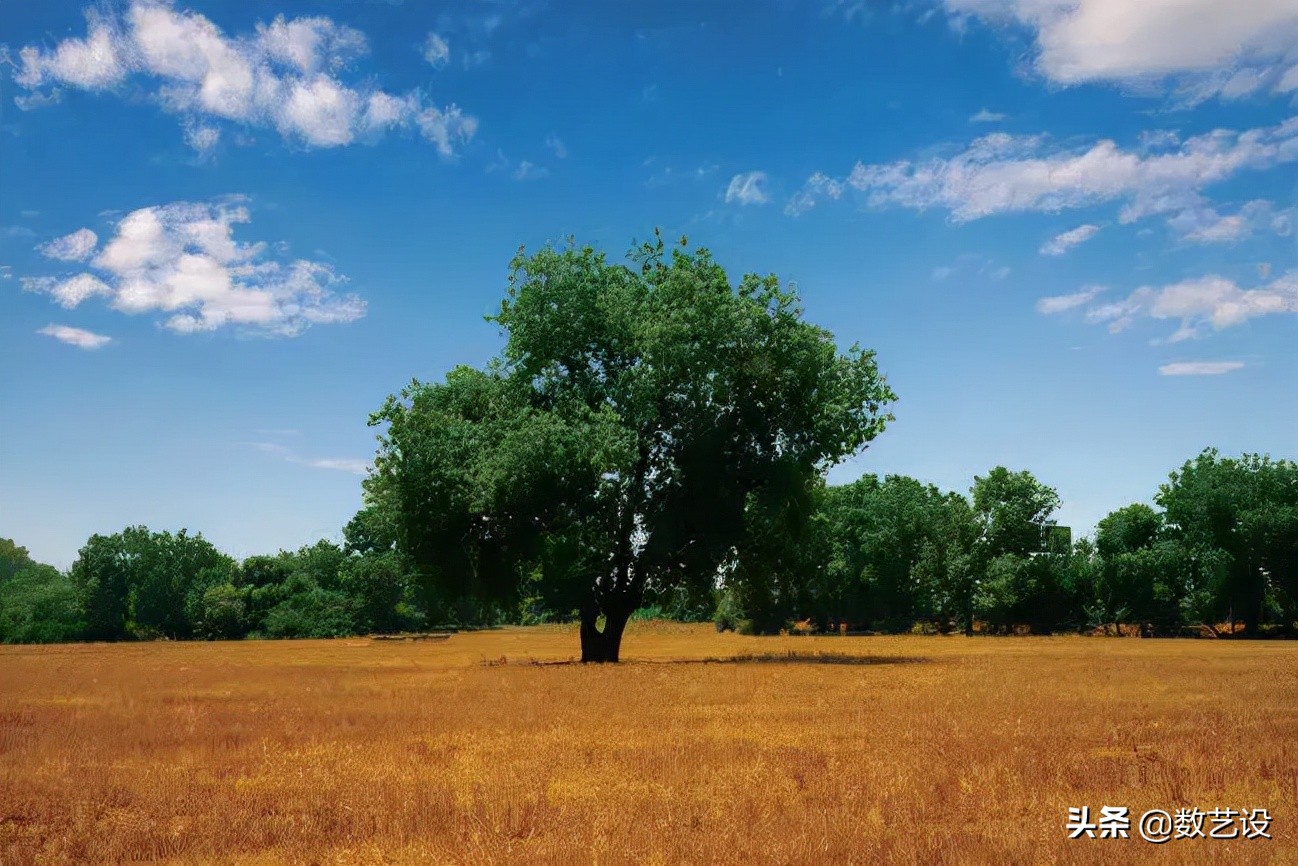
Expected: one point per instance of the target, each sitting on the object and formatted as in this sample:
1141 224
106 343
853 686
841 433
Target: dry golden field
701 748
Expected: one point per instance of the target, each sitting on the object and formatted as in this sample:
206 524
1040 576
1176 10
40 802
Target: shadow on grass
789 658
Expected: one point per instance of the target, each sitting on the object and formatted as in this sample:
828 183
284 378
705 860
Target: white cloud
321 112
436 50
1199 368
1204 225
384 111
70 248
1002 173
93 63
283 76
749 188
183 261
985 116
1208 46
71 292
529 171
1064 303
75 336
1065 241
1210 301
557 146
308 44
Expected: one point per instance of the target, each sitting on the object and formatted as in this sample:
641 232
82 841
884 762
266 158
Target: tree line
895 554
888 554
656 437
139 585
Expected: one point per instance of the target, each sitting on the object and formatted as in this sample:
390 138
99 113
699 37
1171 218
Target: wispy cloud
437 51
74 247
985 116
1199 368
1002 173
78 337
1065 241
972 264
668 175
1205 225
355 467
183 259
1210 301
335 464
529 171
748 188
283 76
202 137
1064 303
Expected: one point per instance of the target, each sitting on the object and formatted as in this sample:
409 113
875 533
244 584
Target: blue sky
228 231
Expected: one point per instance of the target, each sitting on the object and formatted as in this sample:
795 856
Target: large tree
640 414
1238 520
888 541
140 583
1020 555
1013 509
1140 574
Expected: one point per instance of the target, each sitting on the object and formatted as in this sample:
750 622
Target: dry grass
907 750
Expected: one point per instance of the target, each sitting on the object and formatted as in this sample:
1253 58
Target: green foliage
778 558
728 613
222 612
638 419
371 531
378 585
1013 509
682 603
38 604
310 611
13 559
144 585
890 547
1236 519
139 582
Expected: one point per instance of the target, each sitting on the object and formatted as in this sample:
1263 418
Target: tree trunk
602 646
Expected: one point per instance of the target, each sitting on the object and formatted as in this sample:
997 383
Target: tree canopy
638 418
1237 521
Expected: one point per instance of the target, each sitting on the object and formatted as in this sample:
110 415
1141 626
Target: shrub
222 613
315 613
39 605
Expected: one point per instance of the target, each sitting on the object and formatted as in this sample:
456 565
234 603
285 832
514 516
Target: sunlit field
700 748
